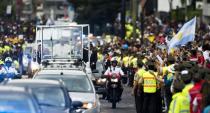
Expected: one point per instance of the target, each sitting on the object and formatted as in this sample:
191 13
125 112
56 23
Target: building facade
51 8
206 11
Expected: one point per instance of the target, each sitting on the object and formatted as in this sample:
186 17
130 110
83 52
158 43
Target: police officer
133 68
8 69
137 89
114 69
149 83
178 104
186 76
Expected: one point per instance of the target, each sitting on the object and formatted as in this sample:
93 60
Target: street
127 105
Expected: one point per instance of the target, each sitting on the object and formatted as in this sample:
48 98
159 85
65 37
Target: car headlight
89 105
99 81
114 80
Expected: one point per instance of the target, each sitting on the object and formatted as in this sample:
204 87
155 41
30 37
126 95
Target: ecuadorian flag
185 35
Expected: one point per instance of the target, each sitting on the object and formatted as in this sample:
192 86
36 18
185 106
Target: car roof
35 82
64 72
12 89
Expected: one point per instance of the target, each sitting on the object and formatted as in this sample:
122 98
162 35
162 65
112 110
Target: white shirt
9 70
206 55
114 70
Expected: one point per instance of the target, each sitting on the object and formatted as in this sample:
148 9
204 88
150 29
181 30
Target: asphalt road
127 105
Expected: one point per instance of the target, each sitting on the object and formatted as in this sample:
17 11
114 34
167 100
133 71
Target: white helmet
8 59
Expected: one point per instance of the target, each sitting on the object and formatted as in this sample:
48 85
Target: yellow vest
6 48
118 59
126 61
185 91
129 60
140 72
164 70
134 62
179 104
100 57
1 50
138 75
150 83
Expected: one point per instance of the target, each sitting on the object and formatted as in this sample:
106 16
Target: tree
184 4
3 6
96 11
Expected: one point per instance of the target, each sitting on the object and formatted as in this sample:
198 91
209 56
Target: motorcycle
9 76
113 89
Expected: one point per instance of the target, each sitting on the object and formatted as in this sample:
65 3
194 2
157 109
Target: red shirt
201 60
199 102
195 90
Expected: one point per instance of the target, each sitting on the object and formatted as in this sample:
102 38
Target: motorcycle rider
8 70
114 69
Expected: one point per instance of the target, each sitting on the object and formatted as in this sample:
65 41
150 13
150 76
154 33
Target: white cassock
61 51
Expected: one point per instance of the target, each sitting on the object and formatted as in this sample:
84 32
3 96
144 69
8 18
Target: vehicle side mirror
77 104
95 71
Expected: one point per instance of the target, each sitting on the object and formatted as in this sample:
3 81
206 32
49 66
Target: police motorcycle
8 72
114 87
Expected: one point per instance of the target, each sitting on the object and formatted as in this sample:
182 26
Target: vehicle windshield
16 103
61 43
50 96
74 83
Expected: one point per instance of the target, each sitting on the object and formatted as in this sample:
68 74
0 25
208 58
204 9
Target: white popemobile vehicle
61 49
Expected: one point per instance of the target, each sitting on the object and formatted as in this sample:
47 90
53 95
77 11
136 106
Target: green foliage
3 7
179 14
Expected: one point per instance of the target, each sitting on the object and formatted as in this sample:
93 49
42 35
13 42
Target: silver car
79 86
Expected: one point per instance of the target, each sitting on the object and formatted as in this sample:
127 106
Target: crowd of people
177 81
13 37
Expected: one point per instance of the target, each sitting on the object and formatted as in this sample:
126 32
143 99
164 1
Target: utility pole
170 13
134 15
186 18
123 11
142 3
142 26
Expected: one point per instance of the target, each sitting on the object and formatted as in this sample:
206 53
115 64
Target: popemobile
60 53
63 42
